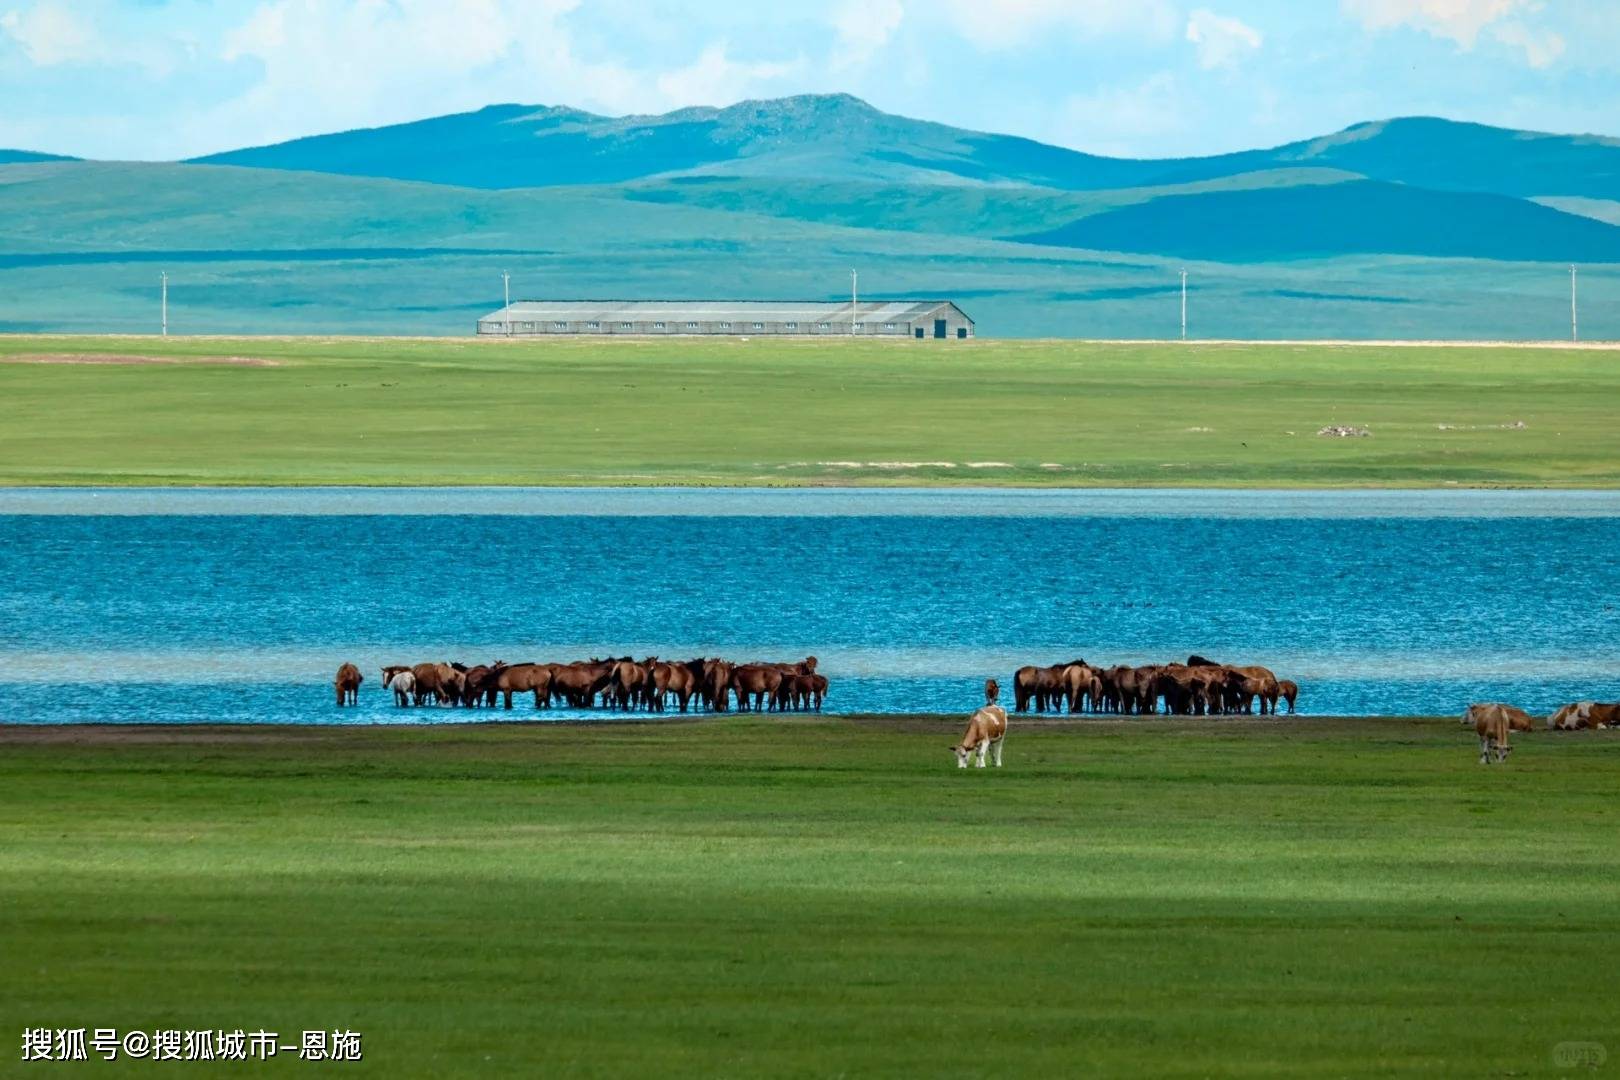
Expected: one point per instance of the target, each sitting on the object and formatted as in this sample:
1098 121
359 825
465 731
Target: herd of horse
1199 687
619 683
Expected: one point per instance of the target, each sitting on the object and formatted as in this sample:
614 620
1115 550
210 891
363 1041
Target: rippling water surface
209 606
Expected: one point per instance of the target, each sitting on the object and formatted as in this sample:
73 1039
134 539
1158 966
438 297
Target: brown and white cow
1518 719
1492 723
1584 714
986 730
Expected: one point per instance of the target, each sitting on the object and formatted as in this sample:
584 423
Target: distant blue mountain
838 137
17 157
1358 217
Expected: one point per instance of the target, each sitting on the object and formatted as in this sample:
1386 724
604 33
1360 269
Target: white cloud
51 35
1002 24
1221 41
1457 20
332 65
1541 48
864 27
1463 22
714 78
325 65
1121 121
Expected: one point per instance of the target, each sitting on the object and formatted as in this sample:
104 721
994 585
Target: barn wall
520 326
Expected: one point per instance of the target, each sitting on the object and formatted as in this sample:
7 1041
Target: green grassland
628 411
750 897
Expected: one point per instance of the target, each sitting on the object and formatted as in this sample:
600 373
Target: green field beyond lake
300 411
820 897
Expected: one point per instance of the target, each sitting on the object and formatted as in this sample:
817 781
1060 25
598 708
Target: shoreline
114 733
978 500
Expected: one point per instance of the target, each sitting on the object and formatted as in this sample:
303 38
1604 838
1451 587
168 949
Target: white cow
986 731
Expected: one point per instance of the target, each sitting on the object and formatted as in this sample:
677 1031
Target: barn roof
720 310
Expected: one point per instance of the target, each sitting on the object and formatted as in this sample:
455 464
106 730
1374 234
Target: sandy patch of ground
130 358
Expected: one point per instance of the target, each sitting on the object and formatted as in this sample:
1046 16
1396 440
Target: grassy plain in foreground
692 411
823 896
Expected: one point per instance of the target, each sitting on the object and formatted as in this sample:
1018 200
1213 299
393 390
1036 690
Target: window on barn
593 326
691 326
792 326
725 326
759 326
658 326
860 326
888 326
559 326
826 326
626 326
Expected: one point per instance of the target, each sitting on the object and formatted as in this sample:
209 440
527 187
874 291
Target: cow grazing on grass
986 730
1518 719
1492 723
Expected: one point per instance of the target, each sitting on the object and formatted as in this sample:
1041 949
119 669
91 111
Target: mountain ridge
838 136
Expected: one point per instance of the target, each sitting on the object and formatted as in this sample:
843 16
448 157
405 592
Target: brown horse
478 684
627 684
755 683
716 684
520 678
347 684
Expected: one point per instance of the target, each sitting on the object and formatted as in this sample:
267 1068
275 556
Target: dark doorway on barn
919 332
939 328
961 332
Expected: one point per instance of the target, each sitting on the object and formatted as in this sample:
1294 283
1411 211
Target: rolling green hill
1404 228
269 251
1366 217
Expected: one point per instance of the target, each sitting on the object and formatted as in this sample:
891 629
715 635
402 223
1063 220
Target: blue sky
158 79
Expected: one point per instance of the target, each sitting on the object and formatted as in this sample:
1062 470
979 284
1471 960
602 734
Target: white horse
986 731
403 684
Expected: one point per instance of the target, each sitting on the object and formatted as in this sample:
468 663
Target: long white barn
928 319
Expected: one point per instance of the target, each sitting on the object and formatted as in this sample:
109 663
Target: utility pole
854 296
1574 314
1183 305
506 309
164 302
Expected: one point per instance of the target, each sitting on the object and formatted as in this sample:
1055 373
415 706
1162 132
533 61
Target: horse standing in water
347 684
986 730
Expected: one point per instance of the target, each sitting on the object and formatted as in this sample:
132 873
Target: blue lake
200 605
